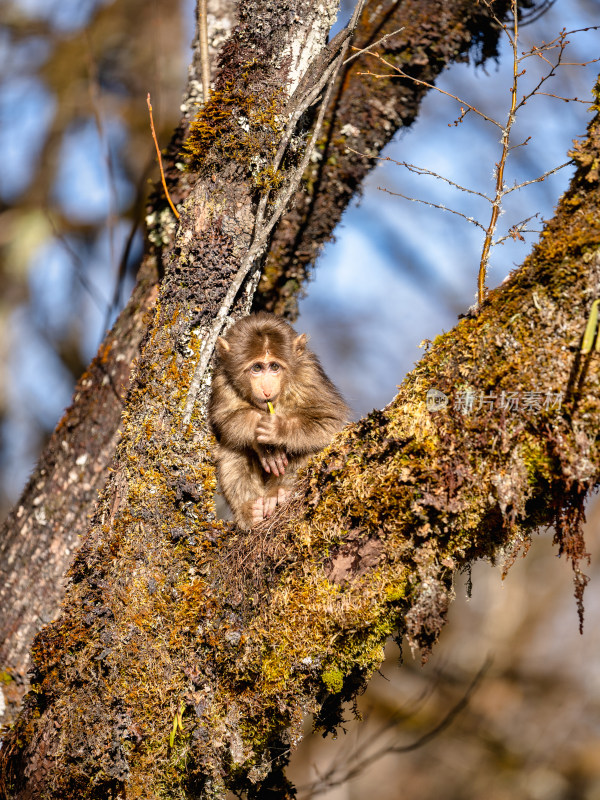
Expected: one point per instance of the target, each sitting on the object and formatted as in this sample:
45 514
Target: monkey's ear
300 344
223 345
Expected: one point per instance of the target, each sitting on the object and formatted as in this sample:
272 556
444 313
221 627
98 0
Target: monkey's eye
274 366
256 369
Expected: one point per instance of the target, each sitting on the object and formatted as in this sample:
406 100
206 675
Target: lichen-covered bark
40 535
364 114
221 18
106 728
188 645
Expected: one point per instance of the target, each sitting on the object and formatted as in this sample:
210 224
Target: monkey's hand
272 459
269 430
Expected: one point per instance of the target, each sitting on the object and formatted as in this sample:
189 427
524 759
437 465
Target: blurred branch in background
74 134
367 752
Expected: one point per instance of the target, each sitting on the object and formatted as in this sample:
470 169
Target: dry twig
162 173
557 45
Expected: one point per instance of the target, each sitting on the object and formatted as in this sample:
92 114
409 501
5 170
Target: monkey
271 407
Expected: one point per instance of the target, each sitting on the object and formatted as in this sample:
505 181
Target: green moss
333 680
242 125
540 466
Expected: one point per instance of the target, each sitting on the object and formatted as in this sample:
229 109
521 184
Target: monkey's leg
241 481
279 489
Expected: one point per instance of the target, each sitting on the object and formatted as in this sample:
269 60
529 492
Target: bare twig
558 44
564 99
370 46
472 220
422 171
539 179
204 56
401 74
524 143
160 164
504 141
515 231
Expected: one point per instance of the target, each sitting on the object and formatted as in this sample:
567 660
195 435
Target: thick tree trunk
37 545
162 482
41 534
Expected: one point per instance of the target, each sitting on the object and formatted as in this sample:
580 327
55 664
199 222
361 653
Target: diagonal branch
32 593
363 116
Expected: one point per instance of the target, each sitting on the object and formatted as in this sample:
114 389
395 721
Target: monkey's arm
303 432
233 420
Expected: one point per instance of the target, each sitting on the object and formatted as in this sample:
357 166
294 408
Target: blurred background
77 161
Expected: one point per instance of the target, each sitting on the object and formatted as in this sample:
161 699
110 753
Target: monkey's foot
258 511
263 507
282 496
271 503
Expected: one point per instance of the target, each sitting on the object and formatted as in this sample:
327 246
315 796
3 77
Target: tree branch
362 117
171 616
32 591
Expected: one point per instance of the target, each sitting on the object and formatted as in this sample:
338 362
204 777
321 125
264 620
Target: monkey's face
266 377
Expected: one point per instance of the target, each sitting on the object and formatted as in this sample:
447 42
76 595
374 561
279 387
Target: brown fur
308 411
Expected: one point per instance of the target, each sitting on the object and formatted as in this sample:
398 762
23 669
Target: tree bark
42 532
36 546
222 233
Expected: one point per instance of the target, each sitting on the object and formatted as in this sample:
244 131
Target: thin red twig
162 173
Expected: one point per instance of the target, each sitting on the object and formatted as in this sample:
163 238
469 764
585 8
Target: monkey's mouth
266 405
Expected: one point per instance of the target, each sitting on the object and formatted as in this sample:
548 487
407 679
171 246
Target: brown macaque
271 408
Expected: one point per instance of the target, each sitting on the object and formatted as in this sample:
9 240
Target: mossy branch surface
359 109
188 653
